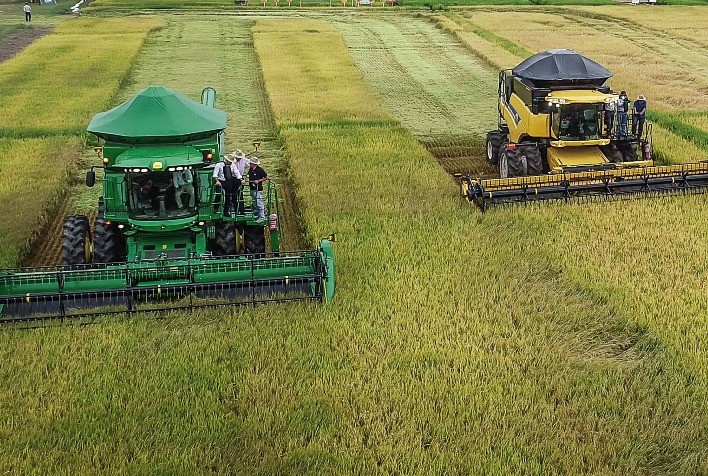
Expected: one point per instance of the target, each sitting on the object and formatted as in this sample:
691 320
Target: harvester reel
76 240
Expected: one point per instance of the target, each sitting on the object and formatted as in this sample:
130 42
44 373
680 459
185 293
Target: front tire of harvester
612 153
494 142
254 239
226 242
512 163
106 242
76 240
629 153
534 161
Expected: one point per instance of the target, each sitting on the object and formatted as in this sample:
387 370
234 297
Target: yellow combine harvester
556 138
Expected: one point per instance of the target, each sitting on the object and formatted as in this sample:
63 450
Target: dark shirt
641 106
256 173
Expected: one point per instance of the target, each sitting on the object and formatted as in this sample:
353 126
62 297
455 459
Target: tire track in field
430 82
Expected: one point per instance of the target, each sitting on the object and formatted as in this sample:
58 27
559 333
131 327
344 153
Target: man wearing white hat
256 177
227 176
242 164
640 115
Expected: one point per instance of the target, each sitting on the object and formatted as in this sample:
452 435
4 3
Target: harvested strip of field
17 40
34 173
429 82
80 83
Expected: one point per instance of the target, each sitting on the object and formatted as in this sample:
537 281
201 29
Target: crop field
545 339
431 83
45 128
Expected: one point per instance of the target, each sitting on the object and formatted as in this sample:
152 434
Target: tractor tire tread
73 241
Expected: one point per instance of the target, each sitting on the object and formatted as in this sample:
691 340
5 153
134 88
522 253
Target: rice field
547 339
86 82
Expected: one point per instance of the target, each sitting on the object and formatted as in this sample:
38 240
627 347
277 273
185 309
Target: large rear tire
227 239
534 161
107 243
76 240
254 239
494 142
511 163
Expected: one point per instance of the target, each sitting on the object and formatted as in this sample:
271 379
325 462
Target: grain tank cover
158 115
558 67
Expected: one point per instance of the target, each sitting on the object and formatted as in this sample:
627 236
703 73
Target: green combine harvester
157 244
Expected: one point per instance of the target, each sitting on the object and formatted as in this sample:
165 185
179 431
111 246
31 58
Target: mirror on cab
90 178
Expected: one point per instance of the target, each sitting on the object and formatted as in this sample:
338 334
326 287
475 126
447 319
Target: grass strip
674 123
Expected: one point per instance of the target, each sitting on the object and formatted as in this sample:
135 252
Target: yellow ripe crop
34 173
306 81
55 85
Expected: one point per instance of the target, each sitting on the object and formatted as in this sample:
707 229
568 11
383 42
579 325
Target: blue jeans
258 205
622 119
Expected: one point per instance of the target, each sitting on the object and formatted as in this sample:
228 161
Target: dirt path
17 41
430 82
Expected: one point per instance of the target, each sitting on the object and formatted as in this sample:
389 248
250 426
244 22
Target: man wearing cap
242 164
227 176
640 115
256 177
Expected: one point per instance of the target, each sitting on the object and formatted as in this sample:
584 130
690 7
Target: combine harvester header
161 240
561 136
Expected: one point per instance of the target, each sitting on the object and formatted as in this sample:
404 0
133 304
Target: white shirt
27 8
219 171
242 165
